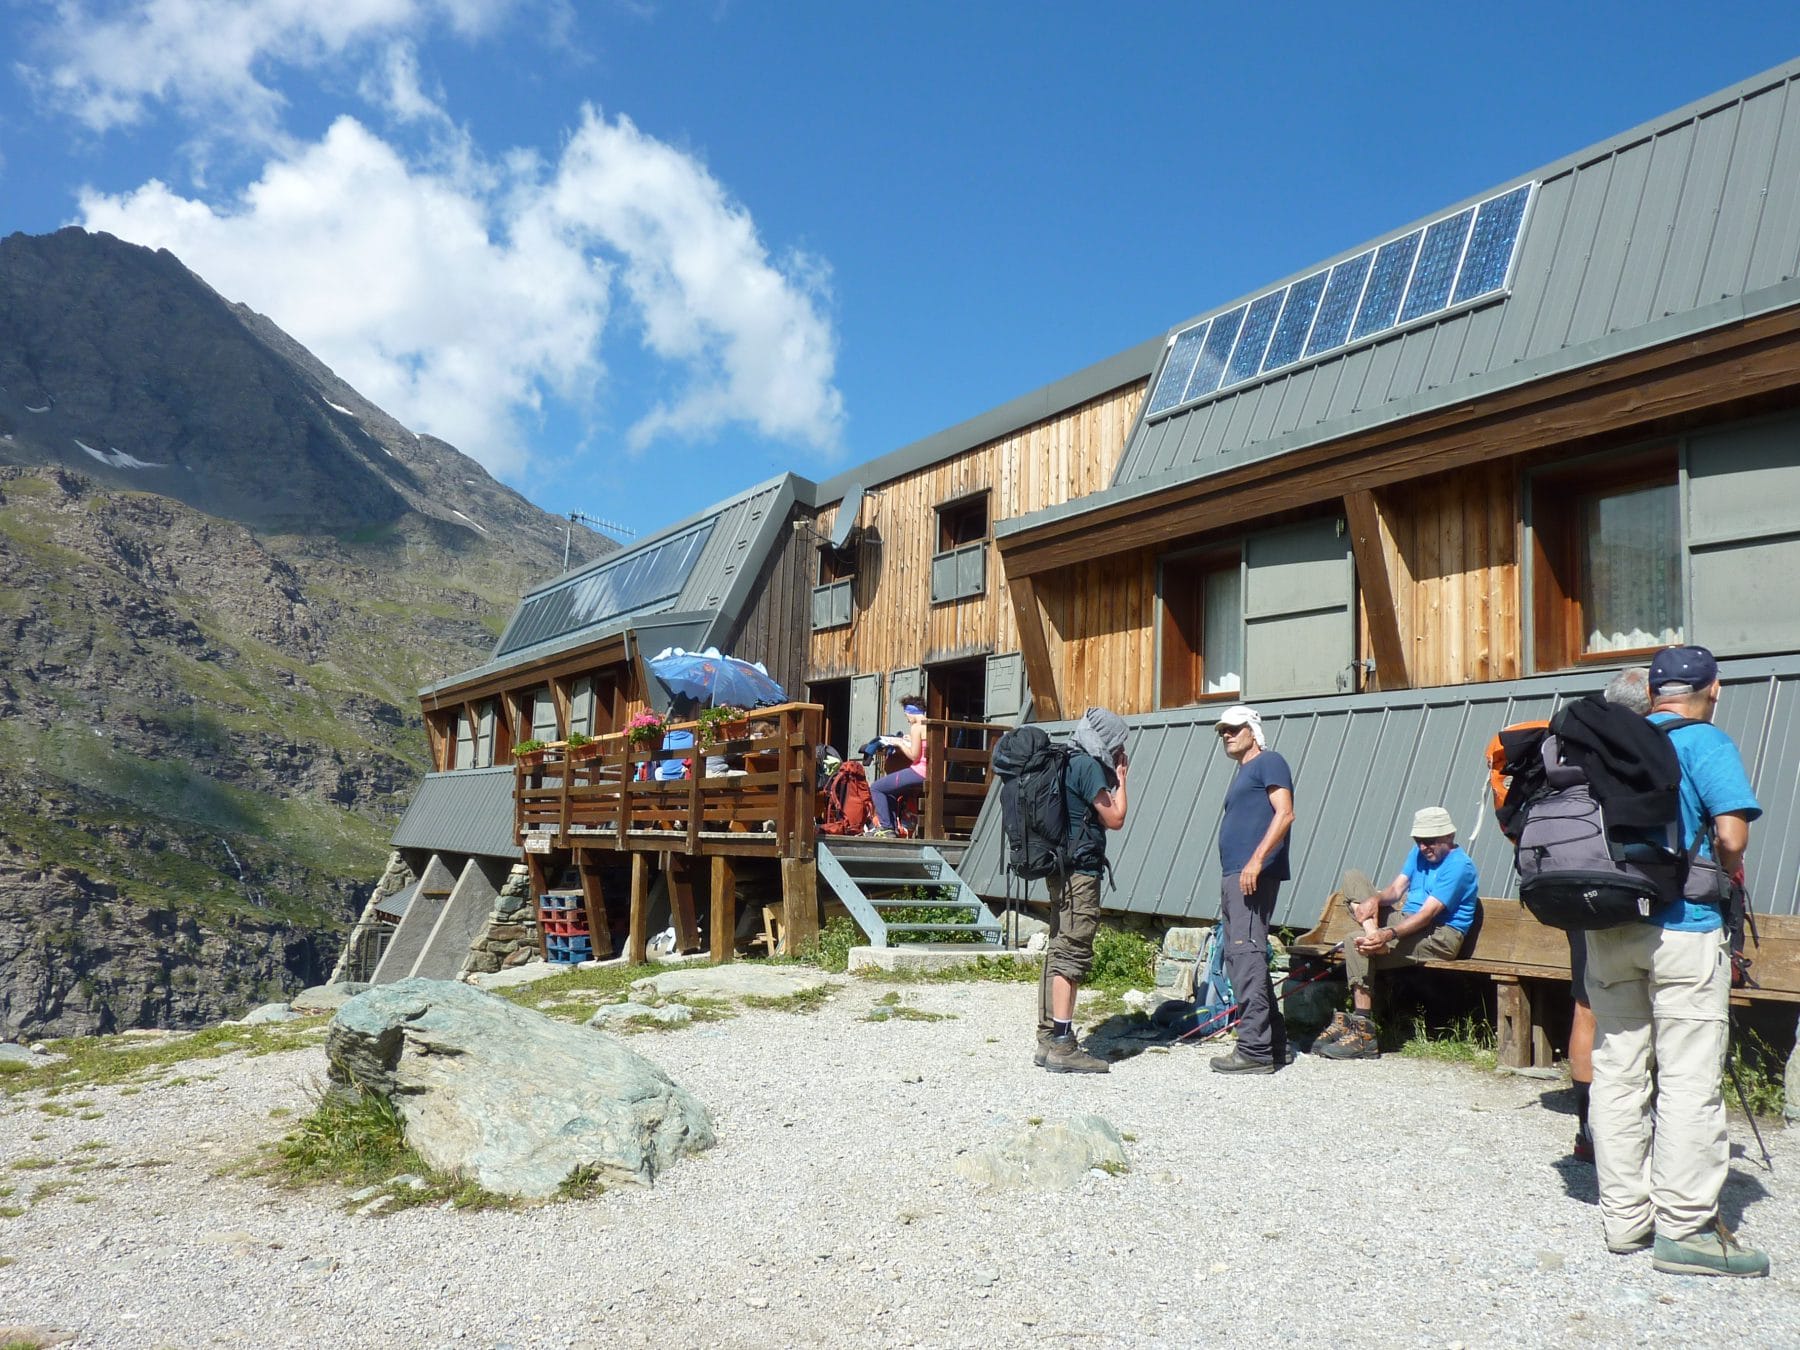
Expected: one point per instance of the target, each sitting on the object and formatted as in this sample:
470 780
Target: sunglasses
1226 733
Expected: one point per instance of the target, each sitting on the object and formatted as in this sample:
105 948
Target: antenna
848 510
611 527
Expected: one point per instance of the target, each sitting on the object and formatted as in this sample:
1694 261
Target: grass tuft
1464 1041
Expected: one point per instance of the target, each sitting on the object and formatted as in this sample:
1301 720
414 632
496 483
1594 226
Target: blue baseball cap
1692 666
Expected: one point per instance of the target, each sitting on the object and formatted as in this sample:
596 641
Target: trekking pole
1230 1008
1749 1115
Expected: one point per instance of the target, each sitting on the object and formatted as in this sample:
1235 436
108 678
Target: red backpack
848 805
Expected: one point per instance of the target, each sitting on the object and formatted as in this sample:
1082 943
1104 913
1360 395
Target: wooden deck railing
957 756
606 793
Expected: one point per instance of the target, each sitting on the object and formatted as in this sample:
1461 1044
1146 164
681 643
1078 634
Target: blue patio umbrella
708 677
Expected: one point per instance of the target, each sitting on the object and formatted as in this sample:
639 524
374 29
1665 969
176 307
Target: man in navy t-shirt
1253 862
1423 914
1661 993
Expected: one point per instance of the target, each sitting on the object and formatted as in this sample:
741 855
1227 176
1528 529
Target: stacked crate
563 920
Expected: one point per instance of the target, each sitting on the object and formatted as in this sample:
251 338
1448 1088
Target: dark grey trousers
1261 1034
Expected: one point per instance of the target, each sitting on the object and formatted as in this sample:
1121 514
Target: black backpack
1034 809
1577 871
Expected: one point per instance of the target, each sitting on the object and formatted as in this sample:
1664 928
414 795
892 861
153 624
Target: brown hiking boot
1333 1032
1045 1039
1065 1055
1358 1040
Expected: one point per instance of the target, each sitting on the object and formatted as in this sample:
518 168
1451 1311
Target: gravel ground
1397 1202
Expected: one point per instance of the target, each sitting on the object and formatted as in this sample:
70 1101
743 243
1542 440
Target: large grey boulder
508 1097
326 997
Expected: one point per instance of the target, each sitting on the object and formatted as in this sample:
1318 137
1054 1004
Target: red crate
564 927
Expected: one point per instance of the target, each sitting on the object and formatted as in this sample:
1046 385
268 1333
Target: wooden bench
1513 948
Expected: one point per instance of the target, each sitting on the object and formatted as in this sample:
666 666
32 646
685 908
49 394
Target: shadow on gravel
1128 1035
1742 1189
1560 1100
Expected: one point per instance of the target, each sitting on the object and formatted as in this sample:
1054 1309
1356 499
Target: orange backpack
1515 771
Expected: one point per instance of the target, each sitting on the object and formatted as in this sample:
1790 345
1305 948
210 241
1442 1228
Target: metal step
837 862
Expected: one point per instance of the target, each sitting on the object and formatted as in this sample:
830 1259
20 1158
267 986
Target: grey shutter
1742 513
902 684
465 742
543 716
943 577
865 712
1299 611
1004 697
484 735
581 706
971 570
832 604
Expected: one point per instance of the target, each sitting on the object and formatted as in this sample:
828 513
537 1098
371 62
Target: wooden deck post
594 901
639 945
936 777
1513 1006
799 903
1363 515
679 869
724 909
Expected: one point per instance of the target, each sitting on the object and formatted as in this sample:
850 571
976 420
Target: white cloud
106 61
752 336
460 296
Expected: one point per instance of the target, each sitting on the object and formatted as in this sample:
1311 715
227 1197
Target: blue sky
635 256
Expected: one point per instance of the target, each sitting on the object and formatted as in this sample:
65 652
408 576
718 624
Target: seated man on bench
1436 892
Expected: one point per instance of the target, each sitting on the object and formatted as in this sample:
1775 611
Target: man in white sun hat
1423 914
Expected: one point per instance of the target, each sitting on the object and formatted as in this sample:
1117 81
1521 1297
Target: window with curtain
1202 628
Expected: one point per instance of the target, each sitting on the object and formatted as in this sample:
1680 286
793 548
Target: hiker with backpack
1660 987
1056 804
1423 914
908 780
1253 862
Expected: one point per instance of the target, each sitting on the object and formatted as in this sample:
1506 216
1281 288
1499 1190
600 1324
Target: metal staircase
875 877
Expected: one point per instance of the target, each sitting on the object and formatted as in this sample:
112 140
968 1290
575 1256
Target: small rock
366 1193
269 1012
412 1181
984 1277
670 1015
757 1302
375 1206
1550 1260
319 1265
35 1338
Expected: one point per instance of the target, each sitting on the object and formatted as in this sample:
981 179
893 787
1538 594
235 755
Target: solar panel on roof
1332 328
1214 353
1490 252
1387 283
1172 384
1458 260
1435 271
1296 321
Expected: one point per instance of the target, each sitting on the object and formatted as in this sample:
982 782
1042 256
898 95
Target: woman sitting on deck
908 781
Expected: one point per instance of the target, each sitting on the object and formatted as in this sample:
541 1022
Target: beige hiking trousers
1660 998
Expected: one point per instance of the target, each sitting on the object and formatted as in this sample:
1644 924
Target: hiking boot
1714 1250
1583 1151
1065 1055
1332 1032
1238 1062
1356 1042
1045 1039
1627 1246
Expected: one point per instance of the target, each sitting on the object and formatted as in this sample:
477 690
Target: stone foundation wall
395 877
511 937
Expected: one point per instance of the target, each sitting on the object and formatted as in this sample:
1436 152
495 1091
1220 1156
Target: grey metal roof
1363 764
395 904
464 811
1685 223
713 591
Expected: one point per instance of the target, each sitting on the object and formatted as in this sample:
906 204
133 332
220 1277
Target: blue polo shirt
1452 883
1713 782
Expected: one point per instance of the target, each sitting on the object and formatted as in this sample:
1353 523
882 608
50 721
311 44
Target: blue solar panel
1174 379
1491 245
1259 323
1387 283
1212 357
1436 269
1296 321
641 580
1332 328
1458 260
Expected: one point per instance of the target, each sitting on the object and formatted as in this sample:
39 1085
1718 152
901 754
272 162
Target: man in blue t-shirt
1661 993
1437 893
1253 862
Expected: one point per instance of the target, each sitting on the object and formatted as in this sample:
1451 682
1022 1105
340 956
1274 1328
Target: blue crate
567 951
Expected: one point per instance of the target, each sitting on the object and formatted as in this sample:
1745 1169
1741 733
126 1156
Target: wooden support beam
1378 589
724 909
593 899
538 878
1513 1005
639 949
1034 647
799 903
678 868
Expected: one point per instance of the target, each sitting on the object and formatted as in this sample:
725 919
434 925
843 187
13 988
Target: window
463 756
541 708
1606 561
581 705
1202 628
959 567
834 598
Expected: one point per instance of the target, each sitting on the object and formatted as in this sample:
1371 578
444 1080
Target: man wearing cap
1438 892
908 780
1253 862
1661 989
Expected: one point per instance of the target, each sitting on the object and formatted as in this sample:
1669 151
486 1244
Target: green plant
709 722
1759 1067
351 1137
830 950
1122 961
1464 1041
575 740
528 747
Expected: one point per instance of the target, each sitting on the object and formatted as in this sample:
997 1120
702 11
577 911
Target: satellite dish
848 510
